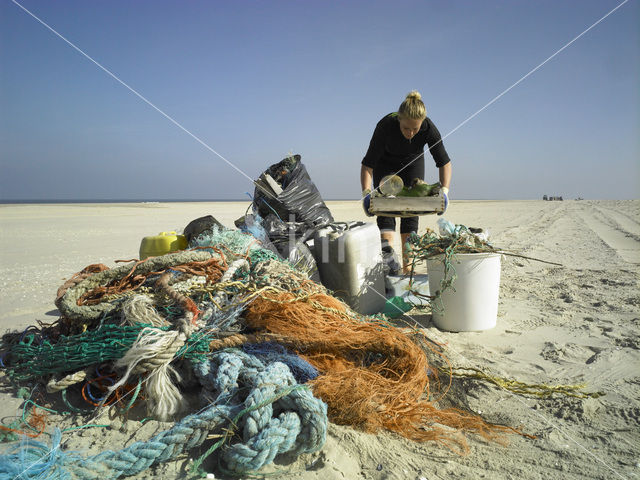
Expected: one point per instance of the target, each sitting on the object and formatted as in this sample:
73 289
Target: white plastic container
349 260
473 305
398 286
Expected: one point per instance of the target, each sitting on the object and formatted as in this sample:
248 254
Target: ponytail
413 107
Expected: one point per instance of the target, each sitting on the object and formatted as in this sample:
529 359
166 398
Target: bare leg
389 236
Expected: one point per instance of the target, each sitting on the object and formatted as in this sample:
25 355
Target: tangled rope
35 357
264 404
185 302
140 309
461 240
372 375
282 276
77 278
69 304
251 331
152 353
54 385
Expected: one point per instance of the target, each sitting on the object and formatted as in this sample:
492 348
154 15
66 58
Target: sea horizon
50 201
119 200
212 200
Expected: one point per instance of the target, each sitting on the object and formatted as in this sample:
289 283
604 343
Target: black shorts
407 224
407 174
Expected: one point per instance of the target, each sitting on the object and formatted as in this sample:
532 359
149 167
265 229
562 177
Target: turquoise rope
248 393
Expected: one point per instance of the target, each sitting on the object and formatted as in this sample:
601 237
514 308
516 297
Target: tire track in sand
618 231
621 221
530 230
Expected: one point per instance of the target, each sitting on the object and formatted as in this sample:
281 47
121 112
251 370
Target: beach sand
556 325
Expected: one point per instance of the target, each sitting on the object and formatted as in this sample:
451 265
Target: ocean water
120 200
138 200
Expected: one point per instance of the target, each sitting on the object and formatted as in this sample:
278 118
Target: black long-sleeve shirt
389 149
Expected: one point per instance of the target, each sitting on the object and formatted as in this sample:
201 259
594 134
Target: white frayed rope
153 351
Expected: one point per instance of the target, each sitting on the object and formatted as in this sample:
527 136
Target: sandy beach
567 325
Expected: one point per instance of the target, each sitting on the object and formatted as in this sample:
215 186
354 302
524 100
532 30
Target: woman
397 147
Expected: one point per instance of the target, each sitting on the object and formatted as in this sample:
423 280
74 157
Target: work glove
366 201
445 193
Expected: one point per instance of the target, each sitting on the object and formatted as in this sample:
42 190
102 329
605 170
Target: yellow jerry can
161 244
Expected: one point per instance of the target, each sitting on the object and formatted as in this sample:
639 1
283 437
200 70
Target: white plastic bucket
473 305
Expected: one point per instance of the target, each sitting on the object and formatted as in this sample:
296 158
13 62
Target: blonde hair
413 106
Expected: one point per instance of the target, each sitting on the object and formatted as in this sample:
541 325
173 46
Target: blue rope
264 405
270 352
33 460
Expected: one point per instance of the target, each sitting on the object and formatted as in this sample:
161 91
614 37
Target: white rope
153 351
140 309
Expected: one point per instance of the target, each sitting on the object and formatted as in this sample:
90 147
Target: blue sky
258 80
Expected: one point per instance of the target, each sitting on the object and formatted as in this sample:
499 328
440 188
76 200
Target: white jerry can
349 259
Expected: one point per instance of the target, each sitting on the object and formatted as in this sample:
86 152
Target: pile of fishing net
226 340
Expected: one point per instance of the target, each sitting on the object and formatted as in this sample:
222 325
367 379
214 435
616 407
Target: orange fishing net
373 375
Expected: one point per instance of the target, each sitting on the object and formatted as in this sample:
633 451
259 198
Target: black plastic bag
300 256
299 201
201 225
287 239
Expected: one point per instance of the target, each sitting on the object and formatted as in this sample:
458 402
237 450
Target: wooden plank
404 206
